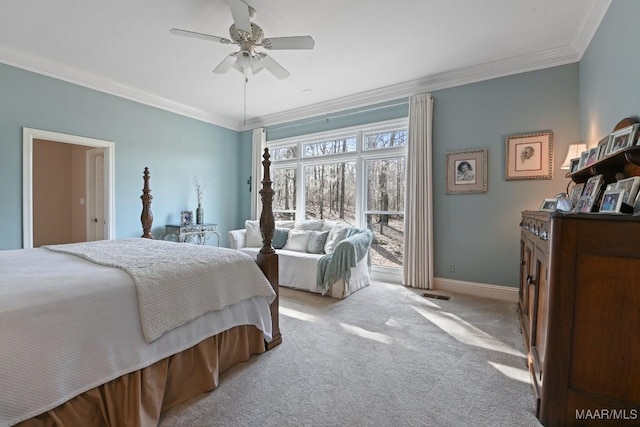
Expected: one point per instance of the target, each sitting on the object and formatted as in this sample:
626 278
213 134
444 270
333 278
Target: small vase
200 215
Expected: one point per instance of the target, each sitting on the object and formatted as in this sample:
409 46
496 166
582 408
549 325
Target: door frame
28 135
90 200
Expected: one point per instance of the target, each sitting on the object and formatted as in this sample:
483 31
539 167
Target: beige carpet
385 356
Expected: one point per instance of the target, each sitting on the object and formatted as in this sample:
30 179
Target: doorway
97 220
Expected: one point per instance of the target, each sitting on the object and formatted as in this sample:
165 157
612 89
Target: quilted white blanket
68 325
177 282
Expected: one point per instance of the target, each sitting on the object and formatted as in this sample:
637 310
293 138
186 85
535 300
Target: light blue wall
175 148
353 117
244 172
609 72
479 233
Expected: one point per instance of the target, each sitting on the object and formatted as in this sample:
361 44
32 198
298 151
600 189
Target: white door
95 195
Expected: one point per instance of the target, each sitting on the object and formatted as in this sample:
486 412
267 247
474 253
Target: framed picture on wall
466 171
529 156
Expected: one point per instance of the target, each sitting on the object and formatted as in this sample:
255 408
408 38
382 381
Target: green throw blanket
338 264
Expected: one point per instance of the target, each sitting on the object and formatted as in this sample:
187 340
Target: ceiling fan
249 36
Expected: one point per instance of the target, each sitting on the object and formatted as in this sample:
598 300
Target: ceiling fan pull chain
246 80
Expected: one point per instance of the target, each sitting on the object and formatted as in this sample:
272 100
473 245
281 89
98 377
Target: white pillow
337 234
284 224
253 238
298 240
328 225
308 224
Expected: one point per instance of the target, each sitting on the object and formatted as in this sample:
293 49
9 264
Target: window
355 175
386 139
284 197
330 191
384 213
323 148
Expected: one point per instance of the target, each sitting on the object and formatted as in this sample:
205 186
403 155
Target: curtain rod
336 116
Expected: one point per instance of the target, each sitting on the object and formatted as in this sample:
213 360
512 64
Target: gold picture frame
466 171
529 156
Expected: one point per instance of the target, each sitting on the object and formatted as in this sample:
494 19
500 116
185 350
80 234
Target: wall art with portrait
529 156
466 171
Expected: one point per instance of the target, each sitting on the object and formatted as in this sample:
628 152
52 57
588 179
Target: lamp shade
574 151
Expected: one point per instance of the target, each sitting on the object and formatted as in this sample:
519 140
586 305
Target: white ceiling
366 51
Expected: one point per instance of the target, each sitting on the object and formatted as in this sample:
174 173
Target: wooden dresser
579 302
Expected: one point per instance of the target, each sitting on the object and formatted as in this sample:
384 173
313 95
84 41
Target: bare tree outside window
330 191
324 148
330 172
385 209
284 199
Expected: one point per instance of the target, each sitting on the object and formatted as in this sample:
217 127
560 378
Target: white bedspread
68 325
175 282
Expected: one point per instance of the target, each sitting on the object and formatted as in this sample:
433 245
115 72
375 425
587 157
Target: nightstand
195 233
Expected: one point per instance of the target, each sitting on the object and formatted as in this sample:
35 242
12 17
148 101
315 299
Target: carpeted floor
385 356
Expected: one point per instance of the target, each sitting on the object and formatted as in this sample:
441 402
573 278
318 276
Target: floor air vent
436 296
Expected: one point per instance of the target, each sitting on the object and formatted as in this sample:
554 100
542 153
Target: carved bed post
267 258
147 216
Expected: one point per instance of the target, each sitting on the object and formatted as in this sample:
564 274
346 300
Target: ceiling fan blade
226 63
257 66
240 13
295 42
202 36
274 68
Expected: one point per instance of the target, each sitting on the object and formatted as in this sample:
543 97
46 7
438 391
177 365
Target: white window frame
360 155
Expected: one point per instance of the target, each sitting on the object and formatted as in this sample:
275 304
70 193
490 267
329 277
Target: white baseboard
389 275
504 293
485 290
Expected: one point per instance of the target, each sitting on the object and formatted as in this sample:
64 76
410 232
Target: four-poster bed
73 353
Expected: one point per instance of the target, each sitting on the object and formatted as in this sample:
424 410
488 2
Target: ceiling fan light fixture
244 59
249 36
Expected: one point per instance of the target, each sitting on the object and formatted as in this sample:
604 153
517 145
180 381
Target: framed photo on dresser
612 200
576 192
623 138
585 204
592 186
631 186
548 205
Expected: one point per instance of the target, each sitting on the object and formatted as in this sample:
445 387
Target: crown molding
62 72
590 24
518 64
490 70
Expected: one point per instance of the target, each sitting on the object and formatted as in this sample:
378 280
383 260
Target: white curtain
259 141
418 230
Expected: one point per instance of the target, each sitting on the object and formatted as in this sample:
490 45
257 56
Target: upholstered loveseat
320 256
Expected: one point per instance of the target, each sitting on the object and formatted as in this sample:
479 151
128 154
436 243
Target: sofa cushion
298 240
317 241
308 224
253 237
280 236
327 225
281 223
337 234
